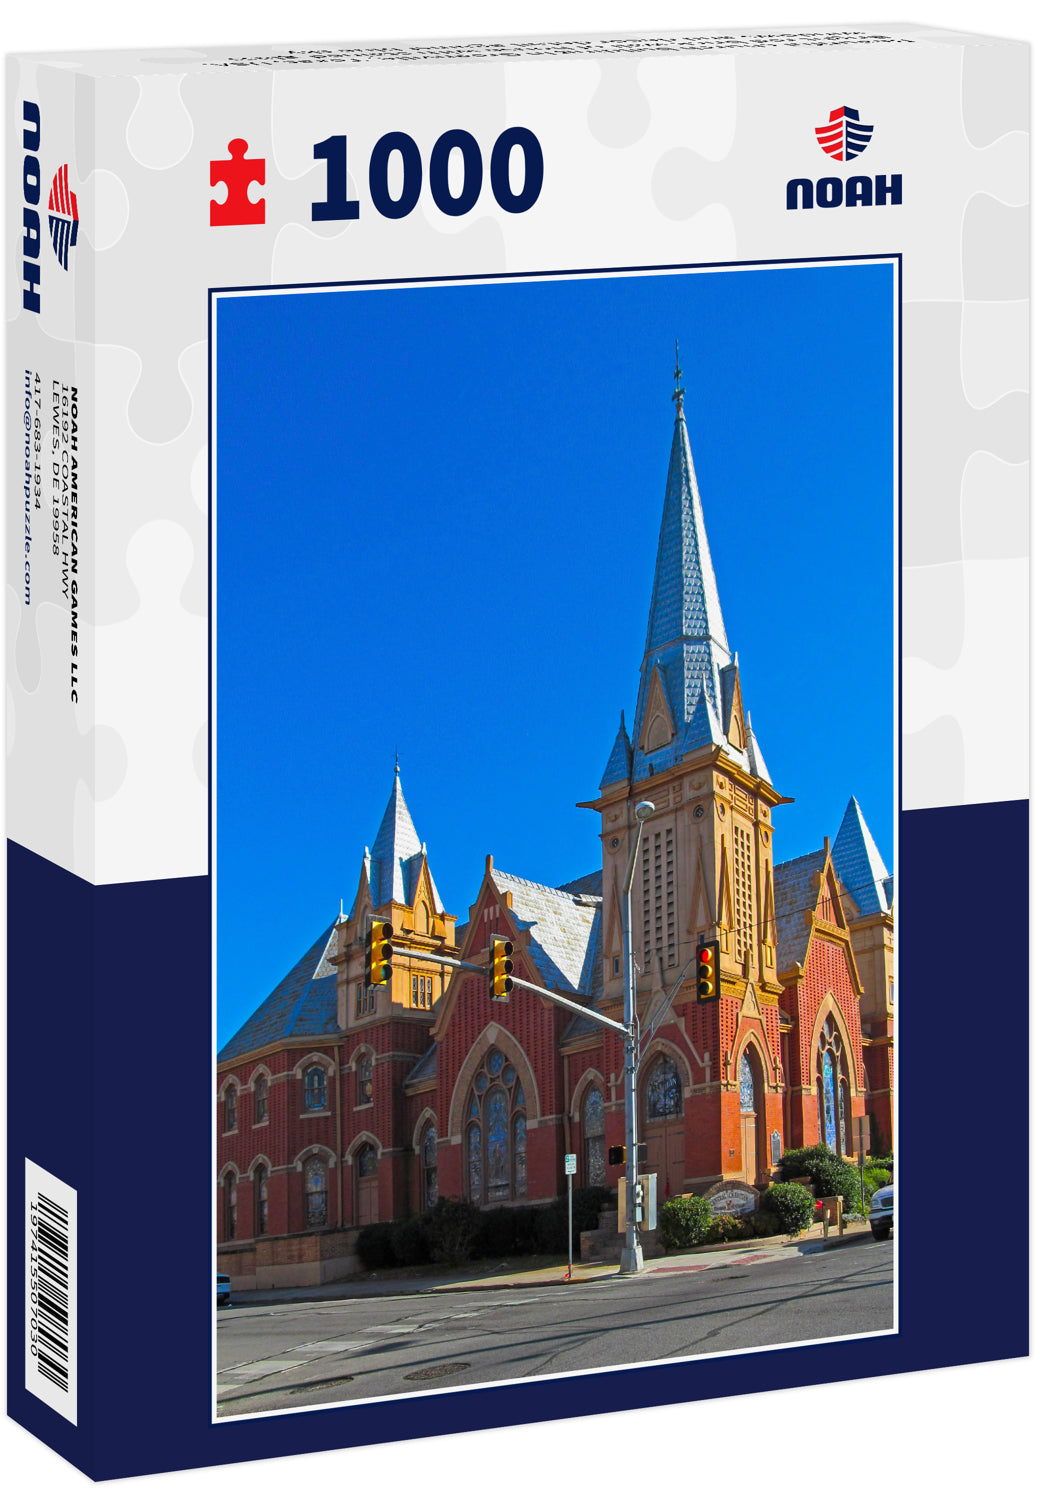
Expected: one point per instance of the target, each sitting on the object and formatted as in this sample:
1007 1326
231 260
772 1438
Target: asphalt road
275 1358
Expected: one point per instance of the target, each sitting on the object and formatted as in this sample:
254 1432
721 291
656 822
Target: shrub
452 1230
792 1204
765 1223
830 1174
375 1247
727 1227
683 1222
409 1242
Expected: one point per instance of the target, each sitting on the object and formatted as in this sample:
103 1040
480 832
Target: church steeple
393 865
686 645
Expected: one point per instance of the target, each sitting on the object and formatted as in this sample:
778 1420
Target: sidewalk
506 1276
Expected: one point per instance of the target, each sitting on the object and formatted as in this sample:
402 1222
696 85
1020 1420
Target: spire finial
680 390
397 762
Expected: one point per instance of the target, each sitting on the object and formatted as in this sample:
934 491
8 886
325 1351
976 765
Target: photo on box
455 489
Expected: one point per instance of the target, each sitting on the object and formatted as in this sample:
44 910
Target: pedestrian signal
615 1156
380 952
708 971
500 968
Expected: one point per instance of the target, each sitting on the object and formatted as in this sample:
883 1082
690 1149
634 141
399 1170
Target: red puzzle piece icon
237 173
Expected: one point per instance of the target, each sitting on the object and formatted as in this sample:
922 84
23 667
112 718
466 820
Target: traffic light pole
632 1254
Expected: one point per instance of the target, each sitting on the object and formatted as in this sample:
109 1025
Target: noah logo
62 215
843 138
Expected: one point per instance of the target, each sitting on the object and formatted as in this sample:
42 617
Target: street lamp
632 1254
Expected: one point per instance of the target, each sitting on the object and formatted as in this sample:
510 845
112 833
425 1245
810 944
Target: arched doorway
367 1173
752 1115
664 1128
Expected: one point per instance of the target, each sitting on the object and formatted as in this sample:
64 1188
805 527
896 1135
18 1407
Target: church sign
732 1198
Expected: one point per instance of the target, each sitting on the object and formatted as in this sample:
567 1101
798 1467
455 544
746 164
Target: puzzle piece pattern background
656 173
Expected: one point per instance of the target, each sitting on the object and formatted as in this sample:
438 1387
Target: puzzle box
372 406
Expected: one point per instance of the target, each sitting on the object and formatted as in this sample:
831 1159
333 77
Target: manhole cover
436 1372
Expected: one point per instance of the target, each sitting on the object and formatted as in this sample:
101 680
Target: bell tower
705 868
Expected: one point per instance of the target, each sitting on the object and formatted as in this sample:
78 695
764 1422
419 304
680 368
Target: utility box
646 1202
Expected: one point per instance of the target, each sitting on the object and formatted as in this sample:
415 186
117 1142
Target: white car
880 1216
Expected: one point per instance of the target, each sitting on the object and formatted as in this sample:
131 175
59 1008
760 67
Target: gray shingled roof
563 928
794 892
585 885
858 862
619 762
304 1004
396 858
425 1069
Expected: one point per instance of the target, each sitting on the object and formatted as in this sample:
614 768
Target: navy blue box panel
111 1089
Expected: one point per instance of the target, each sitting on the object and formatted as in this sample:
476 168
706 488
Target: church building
341 1104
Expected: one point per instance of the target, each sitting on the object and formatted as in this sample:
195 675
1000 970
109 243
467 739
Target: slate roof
303 1004
563 928
685 635
585 885
395 861
426 1068
858 862
794 892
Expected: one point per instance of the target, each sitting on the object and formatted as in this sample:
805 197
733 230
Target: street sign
570 1164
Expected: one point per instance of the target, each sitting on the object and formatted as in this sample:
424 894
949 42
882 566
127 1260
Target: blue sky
437 518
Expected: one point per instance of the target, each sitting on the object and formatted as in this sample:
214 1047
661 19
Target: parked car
880 1215
223 1290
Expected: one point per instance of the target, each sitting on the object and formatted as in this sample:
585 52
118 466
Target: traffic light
499 968
707 971
380 952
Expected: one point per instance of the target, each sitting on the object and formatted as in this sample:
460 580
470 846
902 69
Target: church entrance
367 1186
751 1113
664 1128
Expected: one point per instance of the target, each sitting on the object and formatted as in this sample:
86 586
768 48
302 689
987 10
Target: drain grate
436 1372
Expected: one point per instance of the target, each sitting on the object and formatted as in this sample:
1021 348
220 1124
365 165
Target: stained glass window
230 1206
314 1094
316 1192
475 1158
496 1140
833 1095
260 1098
663 1090
592 1130
231 1108
364 1080
747 1085
366 1162
260 1190
520 1155
429 1166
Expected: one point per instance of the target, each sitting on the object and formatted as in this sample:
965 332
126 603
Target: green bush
452 1230
830 1174
409 1242
727 1227
764 1223
683 1223
375 1247
792 1204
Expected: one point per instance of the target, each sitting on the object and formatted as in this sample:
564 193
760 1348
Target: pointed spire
619 764
859 864
685 635
756 759
392 875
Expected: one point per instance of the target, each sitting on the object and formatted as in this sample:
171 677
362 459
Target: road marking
331 1346
392 1328
266 1367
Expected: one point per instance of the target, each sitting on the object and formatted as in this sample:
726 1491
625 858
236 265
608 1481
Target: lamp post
632 1254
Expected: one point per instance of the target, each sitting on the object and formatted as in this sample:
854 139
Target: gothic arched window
496 1133
231 1108
314 1094
748 1102
429 1166
664 1096
833 1098
230 1205
364 1080
316 1192
260 1099
260 1198
592 1134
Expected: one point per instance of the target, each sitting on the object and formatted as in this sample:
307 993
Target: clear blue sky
437 521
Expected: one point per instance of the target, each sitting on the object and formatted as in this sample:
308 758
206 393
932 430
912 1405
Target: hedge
792 1204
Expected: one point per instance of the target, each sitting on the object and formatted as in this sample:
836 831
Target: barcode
50 1290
